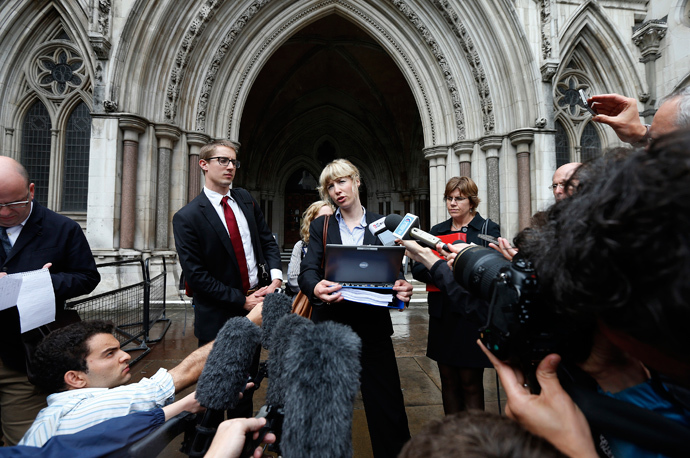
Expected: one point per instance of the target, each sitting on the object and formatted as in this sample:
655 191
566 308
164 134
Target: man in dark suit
33 237
226 248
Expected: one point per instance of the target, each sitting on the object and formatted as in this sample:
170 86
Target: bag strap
325 234
485 231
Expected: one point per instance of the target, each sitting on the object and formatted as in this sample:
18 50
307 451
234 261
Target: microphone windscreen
392 221
286 328
322 370
276 306
225 373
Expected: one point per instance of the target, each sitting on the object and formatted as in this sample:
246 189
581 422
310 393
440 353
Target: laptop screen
369 264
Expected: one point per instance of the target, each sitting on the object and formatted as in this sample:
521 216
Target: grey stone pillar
437 180
167 135
492 145
131 126
382 203
522 139
195 141
464 150
8 149
647 36
56 164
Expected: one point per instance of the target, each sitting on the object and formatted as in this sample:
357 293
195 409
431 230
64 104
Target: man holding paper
31 238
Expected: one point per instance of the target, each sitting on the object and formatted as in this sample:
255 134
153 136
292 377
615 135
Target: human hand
3 274
186 404
454 248
404 290
504 248
230 436
324 288
47 265
621 114
418 253
254 314
253 299
552 414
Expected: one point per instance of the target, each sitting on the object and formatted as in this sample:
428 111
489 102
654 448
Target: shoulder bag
301 305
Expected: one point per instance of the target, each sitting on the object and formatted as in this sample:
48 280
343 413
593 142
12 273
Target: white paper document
36 301
9 291
366 297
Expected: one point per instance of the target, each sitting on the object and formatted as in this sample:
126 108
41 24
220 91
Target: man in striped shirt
85 369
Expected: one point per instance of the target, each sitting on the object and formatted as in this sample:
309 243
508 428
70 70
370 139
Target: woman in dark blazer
452 341
380 382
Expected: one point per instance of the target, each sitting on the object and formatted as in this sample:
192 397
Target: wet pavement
419 375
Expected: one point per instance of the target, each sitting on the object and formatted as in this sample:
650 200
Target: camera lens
475 268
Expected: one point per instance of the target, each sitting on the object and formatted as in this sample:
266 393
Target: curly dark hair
619 248
64 350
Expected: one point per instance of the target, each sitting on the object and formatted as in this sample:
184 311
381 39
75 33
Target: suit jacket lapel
369 238
212 217
333 232
32 228
249 216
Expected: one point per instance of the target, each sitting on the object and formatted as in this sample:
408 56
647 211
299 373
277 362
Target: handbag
301 305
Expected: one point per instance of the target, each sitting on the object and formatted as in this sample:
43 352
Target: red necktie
236 240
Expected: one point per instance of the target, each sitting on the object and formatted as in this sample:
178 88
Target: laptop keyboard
367 285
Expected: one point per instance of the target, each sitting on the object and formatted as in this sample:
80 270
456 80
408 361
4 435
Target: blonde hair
309 215
339 168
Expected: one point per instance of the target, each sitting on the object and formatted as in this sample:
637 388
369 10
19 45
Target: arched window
590 143
562 145
36 149
75 182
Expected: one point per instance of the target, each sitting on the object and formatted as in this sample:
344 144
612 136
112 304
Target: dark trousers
383 399
245 407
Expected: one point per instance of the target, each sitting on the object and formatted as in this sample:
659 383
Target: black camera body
520 327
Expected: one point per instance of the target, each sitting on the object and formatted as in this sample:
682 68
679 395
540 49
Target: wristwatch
645 140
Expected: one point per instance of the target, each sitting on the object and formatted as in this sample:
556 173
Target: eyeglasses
224 161
553 187
13 205
454 199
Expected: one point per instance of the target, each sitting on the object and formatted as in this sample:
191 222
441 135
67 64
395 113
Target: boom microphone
276 306
407 228
224 376
322 370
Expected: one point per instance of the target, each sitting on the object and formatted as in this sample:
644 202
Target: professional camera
520 326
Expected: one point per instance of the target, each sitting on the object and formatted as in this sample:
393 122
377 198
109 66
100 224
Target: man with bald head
560 178
33 237
622 115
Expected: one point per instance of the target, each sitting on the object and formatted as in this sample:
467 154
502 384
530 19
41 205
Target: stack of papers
32 293
366 297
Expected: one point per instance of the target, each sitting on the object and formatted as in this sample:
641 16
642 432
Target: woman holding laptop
380 382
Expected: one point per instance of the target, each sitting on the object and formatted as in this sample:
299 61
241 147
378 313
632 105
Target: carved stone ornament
548 70
475 63
109 106
648 36
57 69
103 17
101 46
540 123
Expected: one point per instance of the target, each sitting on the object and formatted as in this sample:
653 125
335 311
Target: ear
204 165
75 380
31 191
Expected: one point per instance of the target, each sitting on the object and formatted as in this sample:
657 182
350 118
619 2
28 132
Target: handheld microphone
276 306
322 370
378 228
407 228
224 376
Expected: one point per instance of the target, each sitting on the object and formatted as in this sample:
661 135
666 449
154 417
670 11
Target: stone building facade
107 102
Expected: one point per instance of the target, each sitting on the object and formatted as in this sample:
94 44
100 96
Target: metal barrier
133 309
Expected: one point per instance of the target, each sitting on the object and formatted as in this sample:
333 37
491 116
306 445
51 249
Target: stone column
195 141
421 207
382 203
464 150
647 36
492 145
406 201
167 135
437 180
267 207
8 148
387 200
131 126
56 164
522 139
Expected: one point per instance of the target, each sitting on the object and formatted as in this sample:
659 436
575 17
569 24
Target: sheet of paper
366 297
36 301
9 291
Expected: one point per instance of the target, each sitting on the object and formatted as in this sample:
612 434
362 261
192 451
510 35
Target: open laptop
366 266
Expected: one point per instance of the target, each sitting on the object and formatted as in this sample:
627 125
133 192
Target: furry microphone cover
287 327
276 306
322 370
225 373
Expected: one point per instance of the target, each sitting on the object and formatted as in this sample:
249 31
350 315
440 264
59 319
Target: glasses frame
553 187
235 162
18 204
454 199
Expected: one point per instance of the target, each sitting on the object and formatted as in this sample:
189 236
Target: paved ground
419 375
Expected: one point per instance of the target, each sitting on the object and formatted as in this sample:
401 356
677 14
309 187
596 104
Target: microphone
378 228
407 228
276 306
224 376
322 370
